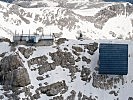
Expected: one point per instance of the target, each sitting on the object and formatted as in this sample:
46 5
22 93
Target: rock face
72 96
10 62
26 52
20 77
92 47
13 72
58 98
54 89
77 49
61 40
85 74
105 82
65 60
43 64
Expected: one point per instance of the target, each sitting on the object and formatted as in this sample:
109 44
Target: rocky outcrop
77 49
20 77
84 58
106 82
43 64
26 52
105 14
65 60
5 40
91 47
62 58
12 72
72 96
38 60
58 98
61 40
3 54
54 89
85 74
81 96
130 98
10 63
114 93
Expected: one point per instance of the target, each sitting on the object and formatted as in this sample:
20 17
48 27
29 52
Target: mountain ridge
69 21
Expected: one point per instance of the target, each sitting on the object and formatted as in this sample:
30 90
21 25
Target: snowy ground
124 91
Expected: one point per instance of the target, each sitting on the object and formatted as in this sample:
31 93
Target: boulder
61 40
77 49
84 58
20 77
85 74
53 89
10 63
26 52
12 72
58 98
92 47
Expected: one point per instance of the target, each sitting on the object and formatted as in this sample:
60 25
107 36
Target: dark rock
113 92
92 47
65 60
1 97
129 9
32 87
36 96
61 40
75 52
47 76
79 95
40 84
87 98
53 89
3 54
10 63
27 91
38 60
78 59
46 83
85 74
13 73
26 52
105 14
77 49
5 40
130 98
7 95
66 49
20 77
58 98
46 67
96 68
72 96
39 78
86 60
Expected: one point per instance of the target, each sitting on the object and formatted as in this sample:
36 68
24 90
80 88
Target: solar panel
113 59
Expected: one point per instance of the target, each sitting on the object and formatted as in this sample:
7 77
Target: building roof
113 59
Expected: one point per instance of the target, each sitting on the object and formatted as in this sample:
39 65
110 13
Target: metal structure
113 59
33 39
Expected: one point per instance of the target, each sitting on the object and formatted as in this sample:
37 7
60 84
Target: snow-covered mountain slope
66 71
95 21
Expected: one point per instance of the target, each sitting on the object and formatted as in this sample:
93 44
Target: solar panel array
113 59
